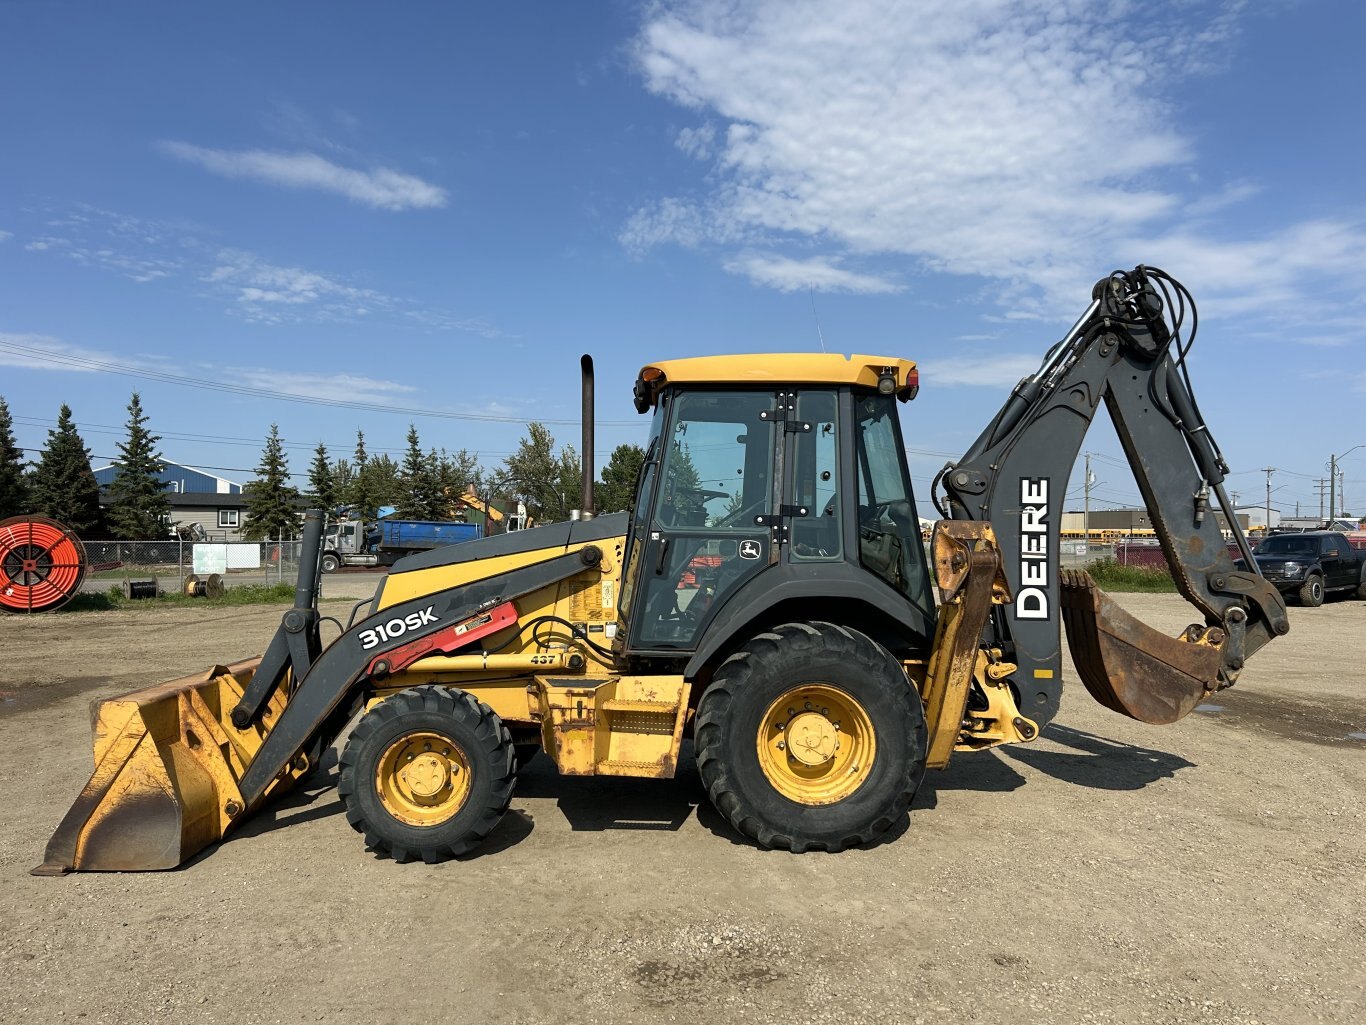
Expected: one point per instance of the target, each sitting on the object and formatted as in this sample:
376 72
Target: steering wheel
741 515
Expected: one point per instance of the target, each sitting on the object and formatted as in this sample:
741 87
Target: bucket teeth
1127 665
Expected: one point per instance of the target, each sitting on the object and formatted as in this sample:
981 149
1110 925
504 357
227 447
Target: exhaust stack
586 507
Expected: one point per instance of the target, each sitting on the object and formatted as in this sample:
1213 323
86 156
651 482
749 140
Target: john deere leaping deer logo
751 549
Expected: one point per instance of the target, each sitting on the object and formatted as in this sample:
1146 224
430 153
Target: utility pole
1332 487
1322 485
1269 470
1086 506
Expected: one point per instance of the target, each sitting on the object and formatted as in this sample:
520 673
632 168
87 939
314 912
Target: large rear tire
811 738
427 774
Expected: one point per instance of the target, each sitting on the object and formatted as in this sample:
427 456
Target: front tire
811 738
1311 591
427 774
330 563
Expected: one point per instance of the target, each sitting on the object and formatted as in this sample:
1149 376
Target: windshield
1289 546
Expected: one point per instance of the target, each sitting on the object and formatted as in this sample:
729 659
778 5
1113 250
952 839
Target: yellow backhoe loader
769 598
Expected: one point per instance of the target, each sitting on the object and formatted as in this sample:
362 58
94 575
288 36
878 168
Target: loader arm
1127 350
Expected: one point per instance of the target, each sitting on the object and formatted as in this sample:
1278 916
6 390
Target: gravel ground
1207 872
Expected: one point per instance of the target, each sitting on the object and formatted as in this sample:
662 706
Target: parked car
1313 564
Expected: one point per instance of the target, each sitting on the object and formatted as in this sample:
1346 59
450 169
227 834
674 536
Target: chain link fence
169 563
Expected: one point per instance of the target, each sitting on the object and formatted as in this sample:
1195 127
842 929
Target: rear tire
1361 587
427 774
811 797
1311 591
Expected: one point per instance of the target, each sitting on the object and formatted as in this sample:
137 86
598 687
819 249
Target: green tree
384 480
548 483
62 485
616 491
421 477
322 481
359 492
457 474
13 481
138 506
272 502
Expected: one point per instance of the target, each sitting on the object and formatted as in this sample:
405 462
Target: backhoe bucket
1130 667
167 763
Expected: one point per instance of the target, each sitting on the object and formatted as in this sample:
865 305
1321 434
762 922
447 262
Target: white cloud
697 142
261 289
990 371
1032 143
668 220
6 235
822 275
43 352
381 188
329 387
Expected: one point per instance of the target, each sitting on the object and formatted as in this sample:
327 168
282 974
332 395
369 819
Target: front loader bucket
1130 667
167 763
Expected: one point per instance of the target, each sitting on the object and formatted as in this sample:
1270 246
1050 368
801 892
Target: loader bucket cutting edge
1127 665
167 762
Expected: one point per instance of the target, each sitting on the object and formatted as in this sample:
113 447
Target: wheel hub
811 738
423 778
426 775
816 744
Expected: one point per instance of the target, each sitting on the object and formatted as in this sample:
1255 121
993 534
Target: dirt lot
1213 871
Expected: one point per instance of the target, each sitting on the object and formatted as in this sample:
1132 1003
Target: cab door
716 476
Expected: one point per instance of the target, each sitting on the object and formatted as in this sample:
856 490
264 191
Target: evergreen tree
62 485
548 483
272 510
13 482
322 480
384 480
420 474
138 507
359 494
616 491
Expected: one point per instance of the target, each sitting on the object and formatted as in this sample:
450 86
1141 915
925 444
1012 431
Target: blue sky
438 207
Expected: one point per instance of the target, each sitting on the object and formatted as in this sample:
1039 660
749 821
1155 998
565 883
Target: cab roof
776 368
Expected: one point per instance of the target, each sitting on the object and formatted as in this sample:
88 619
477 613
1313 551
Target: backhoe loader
770 597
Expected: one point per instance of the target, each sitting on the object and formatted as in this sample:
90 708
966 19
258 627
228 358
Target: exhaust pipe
586 507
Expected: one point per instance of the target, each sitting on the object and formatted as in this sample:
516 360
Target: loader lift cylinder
306 587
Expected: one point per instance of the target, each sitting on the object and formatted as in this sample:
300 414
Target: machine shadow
596 803
1098 762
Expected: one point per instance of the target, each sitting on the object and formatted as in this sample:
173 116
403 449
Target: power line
85 363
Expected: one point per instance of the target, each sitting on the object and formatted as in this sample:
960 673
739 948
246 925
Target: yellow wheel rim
816 744
423 778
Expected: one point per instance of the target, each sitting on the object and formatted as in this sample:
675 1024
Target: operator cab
781 479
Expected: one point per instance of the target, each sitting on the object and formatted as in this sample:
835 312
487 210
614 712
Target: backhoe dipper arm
1126 349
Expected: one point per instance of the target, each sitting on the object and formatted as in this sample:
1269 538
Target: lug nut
782 746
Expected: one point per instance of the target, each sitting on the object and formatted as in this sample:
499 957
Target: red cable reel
42 564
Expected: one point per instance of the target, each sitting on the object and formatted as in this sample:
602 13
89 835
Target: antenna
812 293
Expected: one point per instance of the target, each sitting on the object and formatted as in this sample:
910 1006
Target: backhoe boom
1122 351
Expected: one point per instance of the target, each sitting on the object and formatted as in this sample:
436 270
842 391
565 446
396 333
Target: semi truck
383 542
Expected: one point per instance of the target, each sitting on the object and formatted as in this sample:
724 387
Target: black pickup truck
1310 565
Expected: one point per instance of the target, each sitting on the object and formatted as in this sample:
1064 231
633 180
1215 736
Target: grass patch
1112 576
247 594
